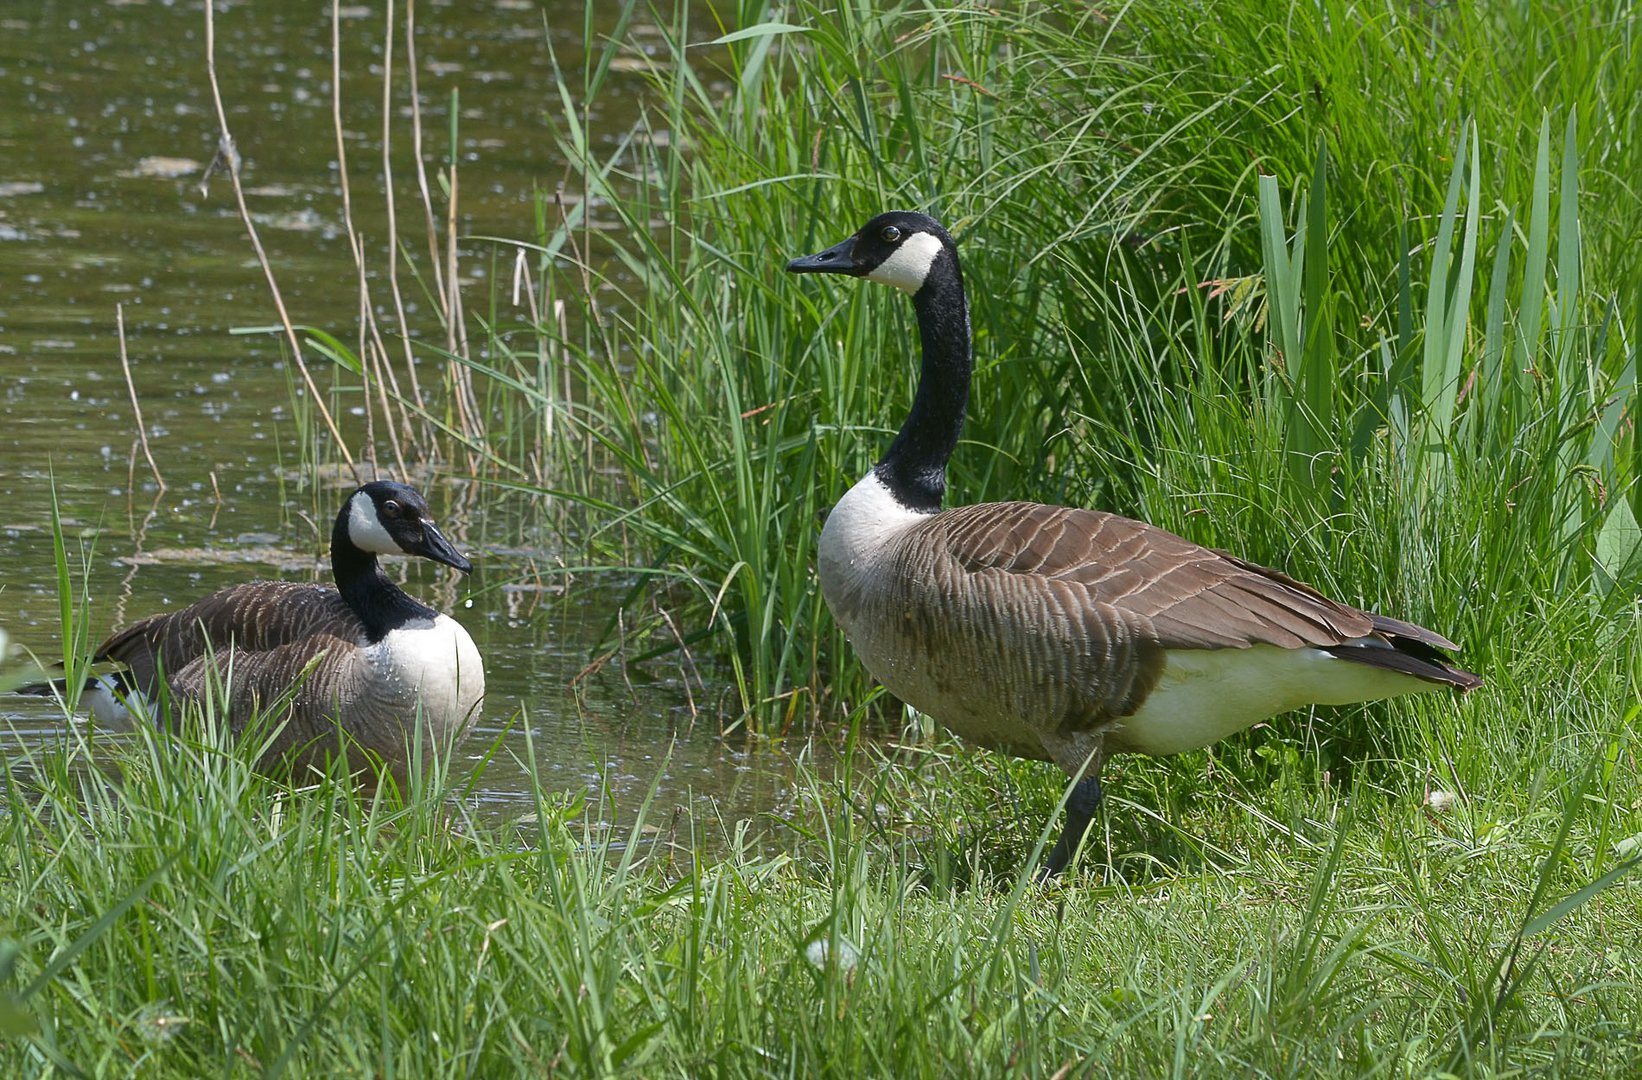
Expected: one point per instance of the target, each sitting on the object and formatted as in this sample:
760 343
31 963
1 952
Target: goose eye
890 234
391 507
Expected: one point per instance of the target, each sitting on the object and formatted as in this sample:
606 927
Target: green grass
1351 291
169 912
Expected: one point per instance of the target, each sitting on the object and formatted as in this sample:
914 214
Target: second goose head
385 518
389 518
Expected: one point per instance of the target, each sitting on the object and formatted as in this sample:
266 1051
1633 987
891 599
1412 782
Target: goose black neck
914 466
380 604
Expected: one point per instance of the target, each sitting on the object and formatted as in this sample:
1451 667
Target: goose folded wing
1175 593
252 618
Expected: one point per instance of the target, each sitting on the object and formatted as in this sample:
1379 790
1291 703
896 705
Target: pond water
106 130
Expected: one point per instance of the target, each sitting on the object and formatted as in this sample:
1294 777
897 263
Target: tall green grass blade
1311 411
1302 393
762 31
328 346
63 958
73 606
1530 307
1282 280
1493 375
1577 899
1632 432
1573 383
15 1020
1574 380
1448 302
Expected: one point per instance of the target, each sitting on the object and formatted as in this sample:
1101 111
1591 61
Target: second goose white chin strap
909 265
365 528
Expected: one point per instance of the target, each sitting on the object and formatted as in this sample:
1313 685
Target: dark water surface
106 125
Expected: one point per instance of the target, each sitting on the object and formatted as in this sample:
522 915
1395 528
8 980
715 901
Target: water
107 127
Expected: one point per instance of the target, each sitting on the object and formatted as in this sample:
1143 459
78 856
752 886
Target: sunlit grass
170 910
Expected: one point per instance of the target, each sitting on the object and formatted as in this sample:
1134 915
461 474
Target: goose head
900 248
389 518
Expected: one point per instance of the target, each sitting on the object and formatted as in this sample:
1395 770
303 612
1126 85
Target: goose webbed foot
1080 814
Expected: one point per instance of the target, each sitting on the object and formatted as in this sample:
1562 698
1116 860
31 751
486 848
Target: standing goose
1062 634
376 660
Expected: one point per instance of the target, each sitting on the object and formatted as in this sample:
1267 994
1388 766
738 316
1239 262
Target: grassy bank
184 917
1351 292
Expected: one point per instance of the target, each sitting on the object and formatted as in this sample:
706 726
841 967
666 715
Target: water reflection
106 129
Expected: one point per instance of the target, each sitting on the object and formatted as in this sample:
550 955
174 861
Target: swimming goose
377 660
1062 634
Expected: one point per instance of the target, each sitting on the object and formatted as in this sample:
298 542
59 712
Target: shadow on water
106 132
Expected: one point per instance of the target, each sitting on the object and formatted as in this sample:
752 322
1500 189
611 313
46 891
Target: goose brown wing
255 617
322 674
1178 594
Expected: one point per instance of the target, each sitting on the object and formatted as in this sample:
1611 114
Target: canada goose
1063 634
376 660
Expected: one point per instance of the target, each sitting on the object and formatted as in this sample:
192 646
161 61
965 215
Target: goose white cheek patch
909 266
366 531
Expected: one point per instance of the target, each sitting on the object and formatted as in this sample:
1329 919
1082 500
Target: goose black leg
1080 814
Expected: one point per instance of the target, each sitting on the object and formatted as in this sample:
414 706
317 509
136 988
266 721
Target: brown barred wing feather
255 617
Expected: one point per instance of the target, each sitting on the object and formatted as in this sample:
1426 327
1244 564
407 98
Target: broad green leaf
1618 545
762 30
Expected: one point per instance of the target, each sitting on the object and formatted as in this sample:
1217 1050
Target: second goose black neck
380 604
914 466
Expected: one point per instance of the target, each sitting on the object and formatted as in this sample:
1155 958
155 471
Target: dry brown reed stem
524 294
216 502
131 388
353 236
373 353
687 664
444 270
461 379
384 367
393 229
139 538
229 157
435 262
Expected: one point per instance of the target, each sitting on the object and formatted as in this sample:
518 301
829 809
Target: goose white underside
1205 695
112 709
